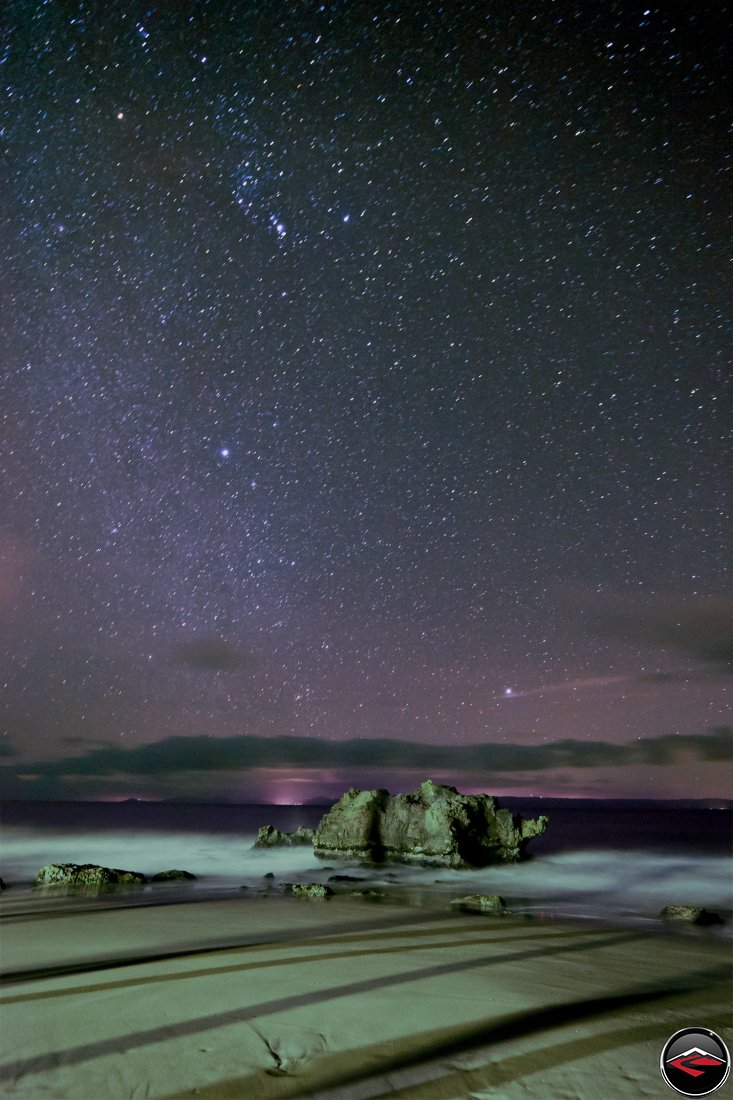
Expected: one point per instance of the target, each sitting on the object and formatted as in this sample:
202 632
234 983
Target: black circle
695 1061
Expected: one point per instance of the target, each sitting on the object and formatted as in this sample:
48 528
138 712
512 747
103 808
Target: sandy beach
343 998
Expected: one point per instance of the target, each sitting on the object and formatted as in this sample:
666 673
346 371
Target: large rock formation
432 825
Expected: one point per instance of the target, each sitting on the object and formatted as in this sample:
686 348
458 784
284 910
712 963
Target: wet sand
343 998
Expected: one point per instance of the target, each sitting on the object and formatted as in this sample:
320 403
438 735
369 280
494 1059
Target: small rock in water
307 889
174 875
691 914
481 903
87 875
270 837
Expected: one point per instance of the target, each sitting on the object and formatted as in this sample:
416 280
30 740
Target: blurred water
605 872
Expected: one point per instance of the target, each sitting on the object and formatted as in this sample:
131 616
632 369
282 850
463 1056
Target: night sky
364 374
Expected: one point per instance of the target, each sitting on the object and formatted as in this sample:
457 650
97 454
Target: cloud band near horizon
177 755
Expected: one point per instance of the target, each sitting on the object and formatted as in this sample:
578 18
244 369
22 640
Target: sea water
617 861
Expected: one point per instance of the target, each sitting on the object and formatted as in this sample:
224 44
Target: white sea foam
586 882
206 855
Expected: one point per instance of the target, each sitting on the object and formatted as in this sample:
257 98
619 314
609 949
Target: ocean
613 861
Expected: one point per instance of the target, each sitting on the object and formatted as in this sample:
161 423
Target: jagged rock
480 903
352 828
173 875
270 837
433 825
307 889
86 874
691 914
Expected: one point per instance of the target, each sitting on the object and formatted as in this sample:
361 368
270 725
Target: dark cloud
7 748
212 655
181 757
16 560
86 742
716 744
702 628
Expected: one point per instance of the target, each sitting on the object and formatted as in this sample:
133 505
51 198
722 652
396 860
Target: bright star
225 452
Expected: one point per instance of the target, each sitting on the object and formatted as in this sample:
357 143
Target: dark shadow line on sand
417 944
62 970
63 905
515 1067
75 1055
352 932
432 1048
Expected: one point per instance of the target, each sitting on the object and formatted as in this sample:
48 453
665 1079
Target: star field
364 372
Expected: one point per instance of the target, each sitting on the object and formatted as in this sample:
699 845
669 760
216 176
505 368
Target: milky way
365 373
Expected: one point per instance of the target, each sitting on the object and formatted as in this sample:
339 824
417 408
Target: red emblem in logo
694 1061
